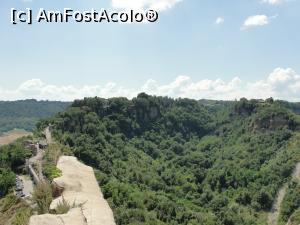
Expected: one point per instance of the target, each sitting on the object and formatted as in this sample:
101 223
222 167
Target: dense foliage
26 113
165 161
12 157
291 202
13 210
50 159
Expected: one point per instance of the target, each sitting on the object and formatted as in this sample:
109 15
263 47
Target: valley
157 160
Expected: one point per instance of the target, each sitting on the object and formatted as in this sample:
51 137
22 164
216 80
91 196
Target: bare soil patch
10 136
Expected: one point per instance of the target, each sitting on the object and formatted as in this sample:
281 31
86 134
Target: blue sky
253 43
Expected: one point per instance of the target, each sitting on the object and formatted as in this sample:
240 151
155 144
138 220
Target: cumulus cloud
159 5
282 83
219 20
256 20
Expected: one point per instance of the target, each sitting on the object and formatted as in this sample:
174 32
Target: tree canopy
24 114
181 161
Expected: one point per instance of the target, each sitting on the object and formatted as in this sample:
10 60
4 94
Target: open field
12 135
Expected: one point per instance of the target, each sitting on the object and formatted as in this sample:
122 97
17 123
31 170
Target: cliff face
74 217
79 186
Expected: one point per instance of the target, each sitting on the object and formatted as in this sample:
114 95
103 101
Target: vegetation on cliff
165 161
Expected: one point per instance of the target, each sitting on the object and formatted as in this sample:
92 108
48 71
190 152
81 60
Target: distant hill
24 114
294 106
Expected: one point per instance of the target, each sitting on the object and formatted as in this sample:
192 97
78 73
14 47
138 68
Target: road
48 135
35 167
38 158
274 214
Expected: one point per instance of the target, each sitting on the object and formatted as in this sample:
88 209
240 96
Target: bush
14 210
51 171
8 201
7 181
22 216
295 218
42 196
63 207
52 153
291 201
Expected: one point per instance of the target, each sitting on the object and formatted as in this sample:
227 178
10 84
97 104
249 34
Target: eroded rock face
80 187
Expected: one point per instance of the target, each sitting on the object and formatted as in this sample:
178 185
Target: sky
213 49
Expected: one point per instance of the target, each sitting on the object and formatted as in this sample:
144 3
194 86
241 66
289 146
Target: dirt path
48 135
274 214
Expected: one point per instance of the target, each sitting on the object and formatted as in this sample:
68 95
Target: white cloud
256 20
282 83
219 20
144 4
272 2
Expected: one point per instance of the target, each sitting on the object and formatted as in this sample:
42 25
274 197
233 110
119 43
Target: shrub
52 154
22 216
291 201
62 207
7 202
51 171
295 218
42 196
14 210
7 181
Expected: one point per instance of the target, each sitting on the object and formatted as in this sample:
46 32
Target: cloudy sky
215 49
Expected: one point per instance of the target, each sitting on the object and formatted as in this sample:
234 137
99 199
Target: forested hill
165 161
25 114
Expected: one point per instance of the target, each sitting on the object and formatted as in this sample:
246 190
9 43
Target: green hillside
165 161
25 114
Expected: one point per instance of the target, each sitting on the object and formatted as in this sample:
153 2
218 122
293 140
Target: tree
7 181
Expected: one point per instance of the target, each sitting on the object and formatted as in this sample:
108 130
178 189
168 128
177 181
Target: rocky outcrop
80 187
74 217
